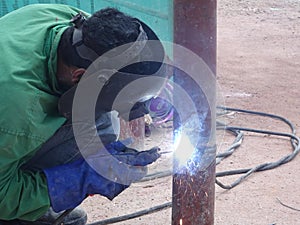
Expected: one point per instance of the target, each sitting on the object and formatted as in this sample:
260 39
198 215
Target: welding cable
133 215
239 136
293 130
295 141
261 167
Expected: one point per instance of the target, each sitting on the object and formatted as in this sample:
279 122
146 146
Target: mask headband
89 54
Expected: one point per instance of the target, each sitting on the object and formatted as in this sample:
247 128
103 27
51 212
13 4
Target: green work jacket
29 38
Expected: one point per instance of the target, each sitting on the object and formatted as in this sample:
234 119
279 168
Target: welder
46 50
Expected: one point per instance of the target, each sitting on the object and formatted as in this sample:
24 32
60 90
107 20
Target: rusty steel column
194 193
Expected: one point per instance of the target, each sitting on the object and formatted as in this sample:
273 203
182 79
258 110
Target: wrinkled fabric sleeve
23 194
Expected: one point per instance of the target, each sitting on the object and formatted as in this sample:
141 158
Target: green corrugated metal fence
157 13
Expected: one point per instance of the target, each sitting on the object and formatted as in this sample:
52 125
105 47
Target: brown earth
258 69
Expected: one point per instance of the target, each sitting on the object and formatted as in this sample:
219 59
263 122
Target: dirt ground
258 69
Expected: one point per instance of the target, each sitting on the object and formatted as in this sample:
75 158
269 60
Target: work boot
76 217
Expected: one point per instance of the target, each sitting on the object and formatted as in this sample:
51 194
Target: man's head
104 30
90 38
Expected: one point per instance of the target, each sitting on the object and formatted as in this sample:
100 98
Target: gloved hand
107 173
132 156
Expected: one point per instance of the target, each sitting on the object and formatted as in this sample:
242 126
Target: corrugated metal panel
10 5
157 13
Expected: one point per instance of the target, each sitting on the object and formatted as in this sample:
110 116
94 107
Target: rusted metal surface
195 28
193 192
193 197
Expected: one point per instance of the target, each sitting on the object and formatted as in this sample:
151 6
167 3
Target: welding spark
183 150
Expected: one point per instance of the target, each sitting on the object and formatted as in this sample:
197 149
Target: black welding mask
140 74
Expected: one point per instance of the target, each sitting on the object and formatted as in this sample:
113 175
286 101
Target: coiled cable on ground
295 142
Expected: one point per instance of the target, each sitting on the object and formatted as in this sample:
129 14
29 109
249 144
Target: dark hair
109 28
104 30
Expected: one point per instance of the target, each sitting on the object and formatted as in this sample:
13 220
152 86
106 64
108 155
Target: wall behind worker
157 14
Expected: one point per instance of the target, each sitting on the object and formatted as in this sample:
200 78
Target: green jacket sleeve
28 96
23 195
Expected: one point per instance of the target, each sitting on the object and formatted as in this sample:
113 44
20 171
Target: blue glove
107 173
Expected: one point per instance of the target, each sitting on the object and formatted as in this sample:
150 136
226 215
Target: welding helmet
128 88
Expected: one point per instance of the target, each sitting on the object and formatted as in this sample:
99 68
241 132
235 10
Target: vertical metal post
194 193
